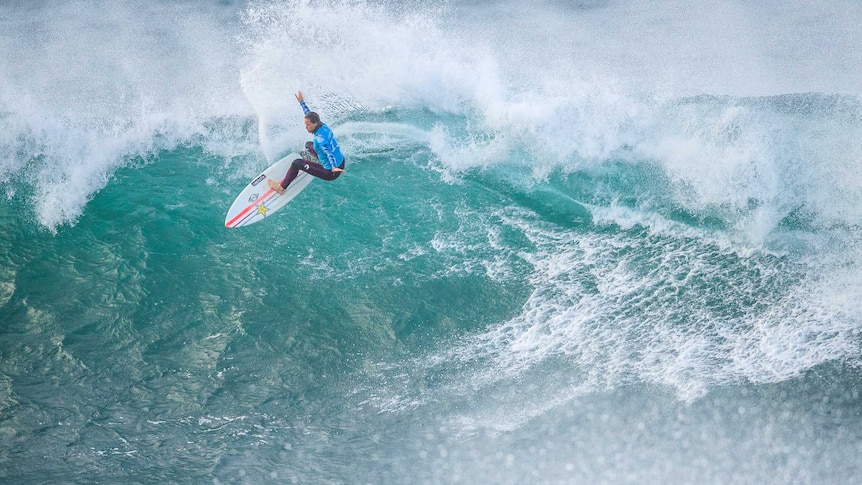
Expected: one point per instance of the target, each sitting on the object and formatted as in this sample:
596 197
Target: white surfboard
257 201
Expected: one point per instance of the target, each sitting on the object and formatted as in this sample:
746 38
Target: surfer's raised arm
301 100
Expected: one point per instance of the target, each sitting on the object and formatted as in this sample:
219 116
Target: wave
668 223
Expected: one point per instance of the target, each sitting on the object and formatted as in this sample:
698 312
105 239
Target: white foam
81 97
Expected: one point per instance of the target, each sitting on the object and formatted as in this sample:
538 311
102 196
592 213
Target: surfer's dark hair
313 117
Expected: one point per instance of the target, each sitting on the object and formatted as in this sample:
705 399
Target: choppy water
578 242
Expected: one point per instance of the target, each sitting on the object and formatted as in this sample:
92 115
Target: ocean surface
581 242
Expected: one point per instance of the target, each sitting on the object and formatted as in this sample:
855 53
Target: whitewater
577 242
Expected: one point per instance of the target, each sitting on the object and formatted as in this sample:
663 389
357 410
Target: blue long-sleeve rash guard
324 143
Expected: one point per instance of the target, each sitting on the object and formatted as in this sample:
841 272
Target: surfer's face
309 126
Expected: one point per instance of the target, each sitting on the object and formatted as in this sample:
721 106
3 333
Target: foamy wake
680 309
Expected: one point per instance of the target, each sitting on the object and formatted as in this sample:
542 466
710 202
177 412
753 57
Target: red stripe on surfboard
231 222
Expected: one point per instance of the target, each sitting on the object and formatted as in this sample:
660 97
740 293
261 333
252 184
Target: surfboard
257 201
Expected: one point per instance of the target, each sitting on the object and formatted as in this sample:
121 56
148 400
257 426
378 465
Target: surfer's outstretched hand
299 96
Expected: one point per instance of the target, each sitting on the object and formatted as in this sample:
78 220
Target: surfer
329 167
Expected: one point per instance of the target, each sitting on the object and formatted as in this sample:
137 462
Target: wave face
577 242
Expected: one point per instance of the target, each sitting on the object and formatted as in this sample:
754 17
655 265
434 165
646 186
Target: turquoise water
610 261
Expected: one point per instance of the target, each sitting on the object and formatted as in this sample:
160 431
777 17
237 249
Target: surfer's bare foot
276 186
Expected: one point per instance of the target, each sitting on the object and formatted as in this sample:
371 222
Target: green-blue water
571 273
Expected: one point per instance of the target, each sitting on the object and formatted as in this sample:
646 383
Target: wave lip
82 98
